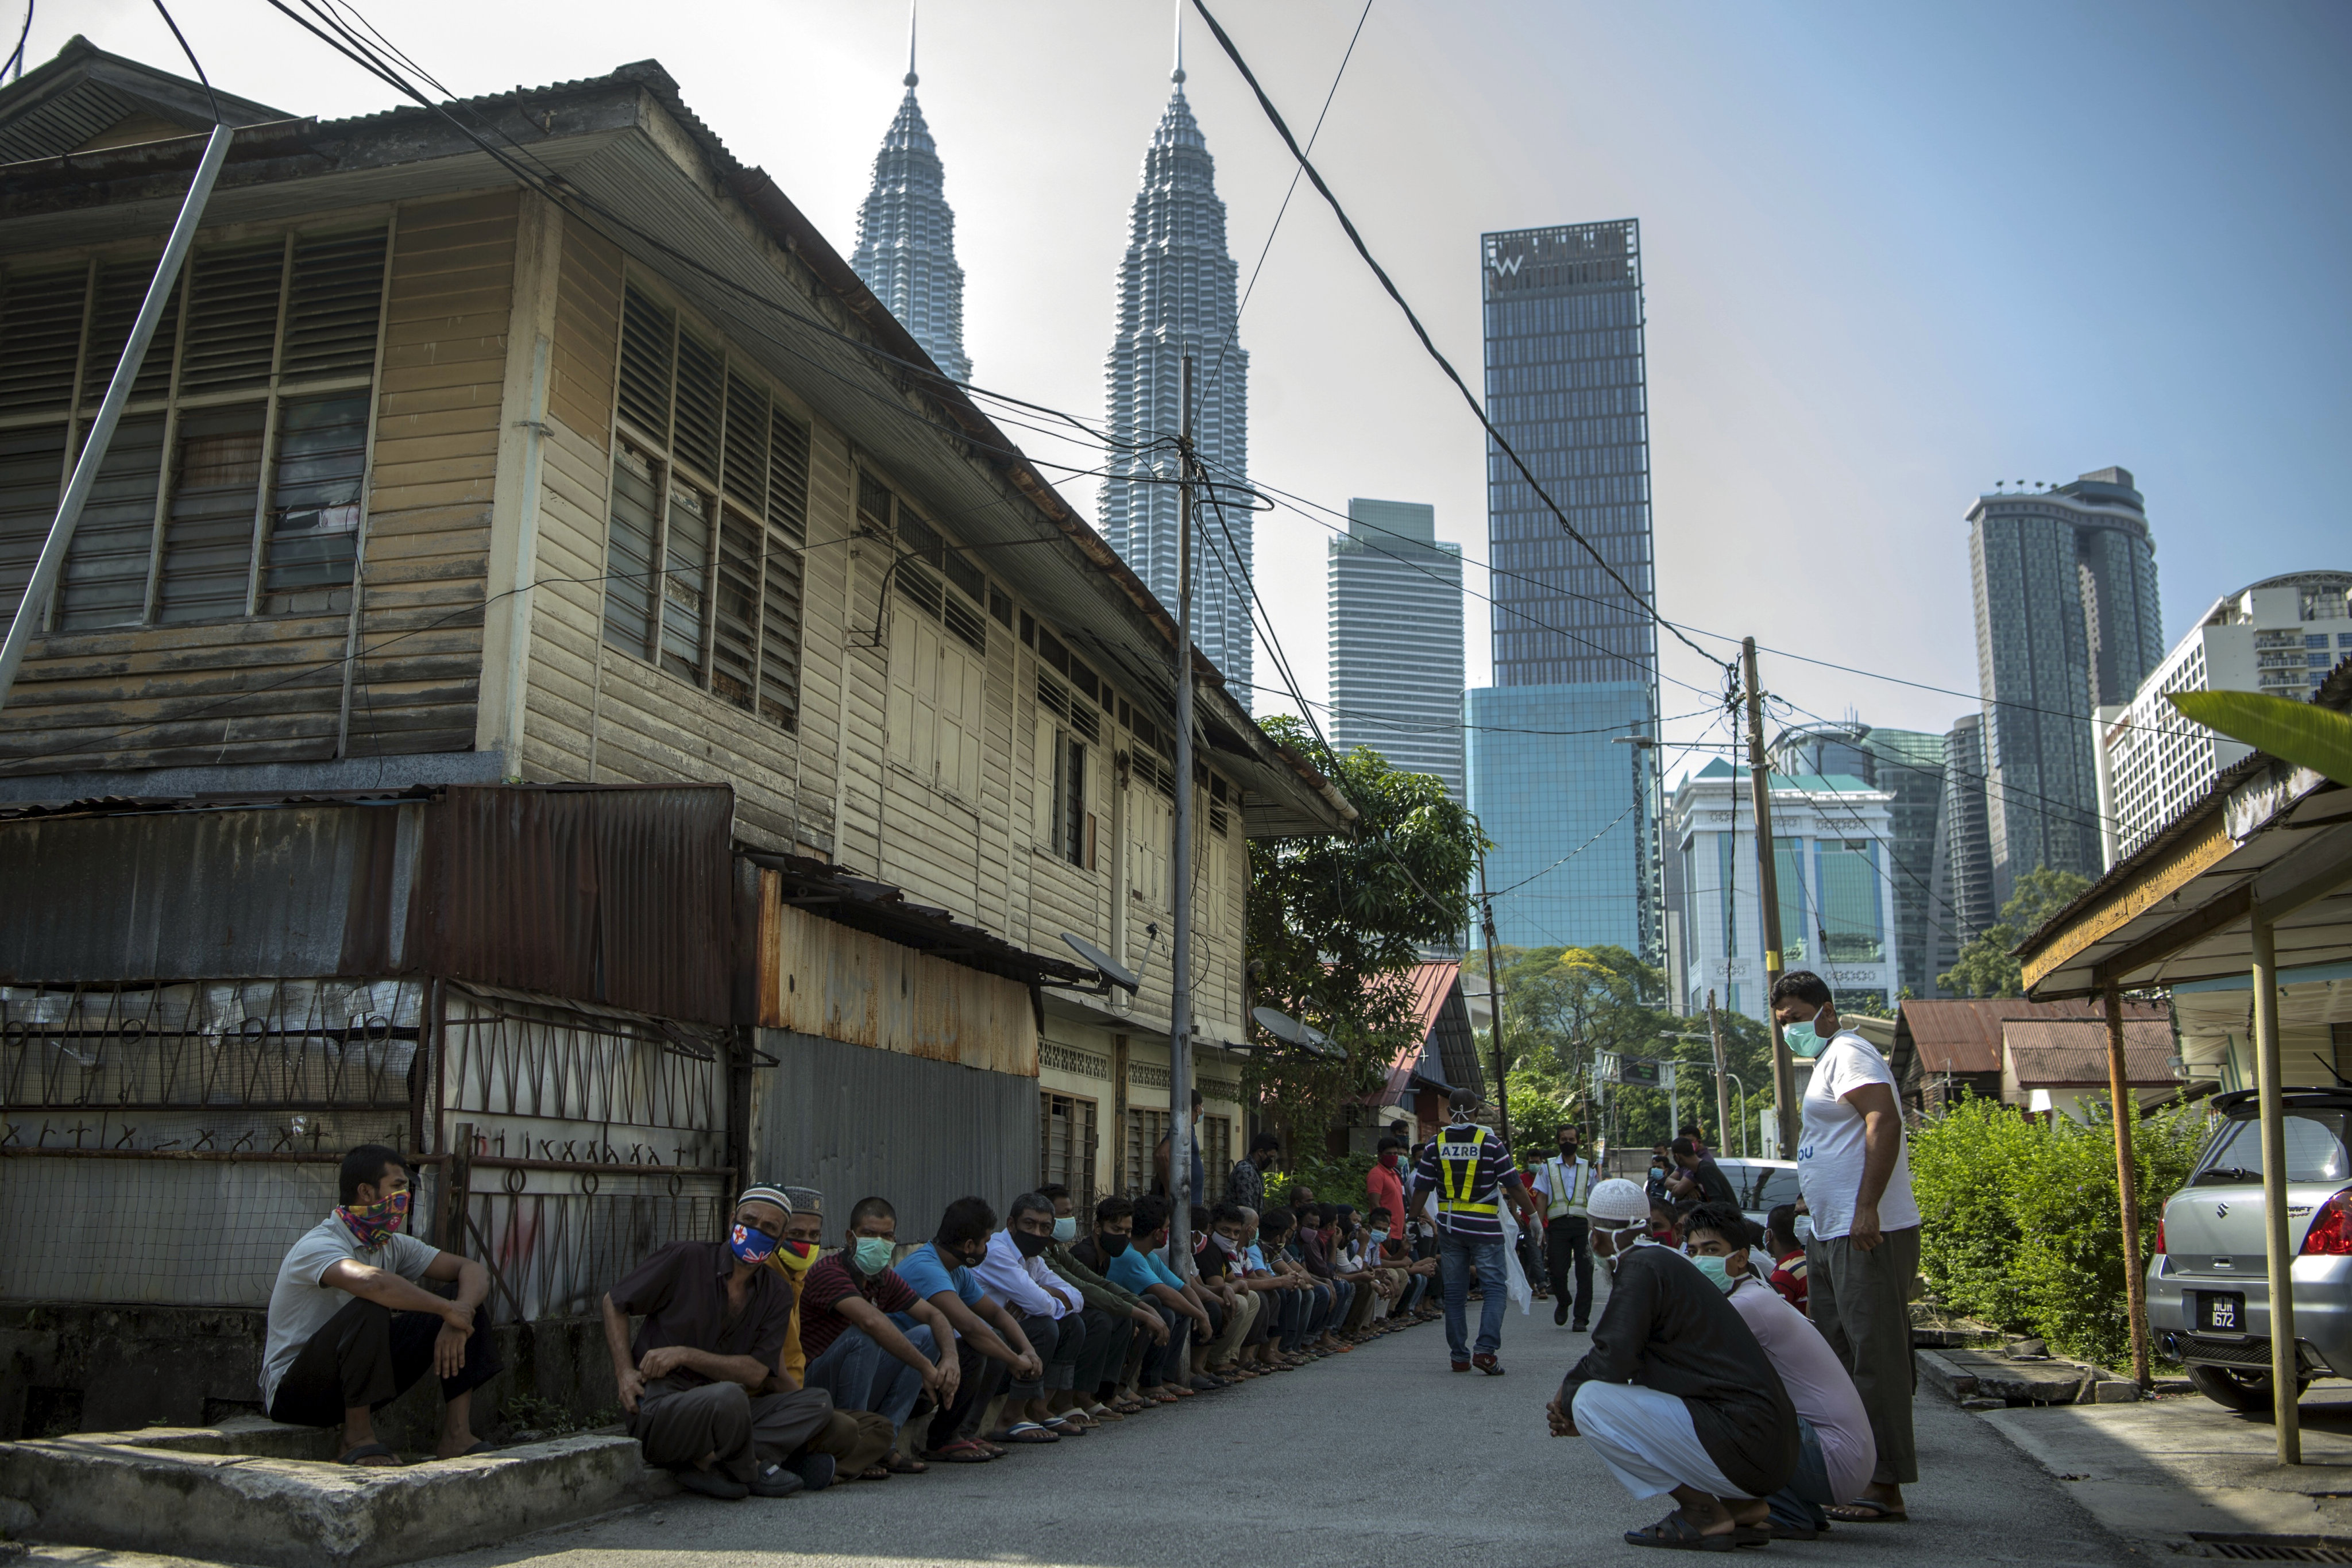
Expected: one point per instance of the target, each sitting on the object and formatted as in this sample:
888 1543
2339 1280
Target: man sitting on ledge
715 1317
351 1327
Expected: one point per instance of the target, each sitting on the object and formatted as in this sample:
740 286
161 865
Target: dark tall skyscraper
1574 815
2066 620
1961 885
1396 640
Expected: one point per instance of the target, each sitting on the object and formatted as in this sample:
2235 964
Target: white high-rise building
1395 598
1177 296
906 236
1831 867
2281 635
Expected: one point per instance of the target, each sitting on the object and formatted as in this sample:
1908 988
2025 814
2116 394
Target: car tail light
2331 1229
2159 1237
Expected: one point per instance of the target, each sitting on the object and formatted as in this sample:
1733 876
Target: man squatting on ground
1675 1395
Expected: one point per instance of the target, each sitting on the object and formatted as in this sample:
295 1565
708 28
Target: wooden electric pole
1768 895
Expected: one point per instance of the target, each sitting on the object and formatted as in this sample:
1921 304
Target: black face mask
1031 1246
1112 1246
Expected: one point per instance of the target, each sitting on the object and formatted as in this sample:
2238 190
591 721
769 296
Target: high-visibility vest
1567 1184
1458 1150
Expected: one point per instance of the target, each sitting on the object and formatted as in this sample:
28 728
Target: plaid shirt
1247 1186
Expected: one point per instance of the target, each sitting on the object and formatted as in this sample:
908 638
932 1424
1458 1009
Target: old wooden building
542 440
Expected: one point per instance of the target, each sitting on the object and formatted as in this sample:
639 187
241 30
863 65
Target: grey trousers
1861 1302
677 1425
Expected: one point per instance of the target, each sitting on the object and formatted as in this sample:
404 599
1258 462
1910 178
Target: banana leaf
2298 732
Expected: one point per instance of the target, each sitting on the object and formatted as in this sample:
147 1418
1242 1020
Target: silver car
1761 1186
2207 1286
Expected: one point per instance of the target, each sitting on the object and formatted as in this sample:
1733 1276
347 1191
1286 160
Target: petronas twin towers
1177 296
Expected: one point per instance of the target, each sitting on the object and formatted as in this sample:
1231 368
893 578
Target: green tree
1336 923
1986 966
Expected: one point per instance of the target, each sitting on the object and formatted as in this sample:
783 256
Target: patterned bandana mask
372 1224
794 1258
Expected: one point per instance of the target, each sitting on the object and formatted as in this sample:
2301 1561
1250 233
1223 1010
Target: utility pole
1180 1003
1495 1005
1722 1099
1768 894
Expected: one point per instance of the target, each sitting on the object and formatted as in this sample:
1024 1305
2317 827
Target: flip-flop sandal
1064 1428
873 1473
900 1464
963 1451
1025 1431
1866 1512
370 1451
476 1449
1678 1534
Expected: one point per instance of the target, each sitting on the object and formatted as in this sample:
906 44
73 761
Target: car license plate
2221 1314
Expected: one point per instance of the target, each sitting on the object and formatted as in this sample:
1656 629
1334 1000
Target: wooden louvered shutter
105 581
629 555
208 534
743 484
700 387
32 465
684 582
338 296
649 363
40 340
780 598
121 289
232 308
314 506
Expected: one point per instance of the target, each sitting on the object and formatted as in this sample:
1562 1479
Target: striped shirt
1467 1165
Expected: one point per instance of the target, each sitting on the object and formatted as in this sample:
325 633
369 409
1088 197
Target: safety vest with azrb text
1462 1158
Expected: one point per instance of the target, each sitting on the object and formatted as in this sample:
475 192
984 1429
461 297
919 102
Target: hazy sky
1893 254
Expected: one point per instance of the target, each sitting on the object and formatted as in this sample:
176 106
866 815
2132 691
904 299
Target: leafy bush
2022 1225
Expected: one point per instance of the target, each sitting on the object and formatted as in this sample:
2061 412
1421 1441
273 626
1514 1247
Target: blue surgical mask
1067 1229
1717 1271
1380 1237
1803 1043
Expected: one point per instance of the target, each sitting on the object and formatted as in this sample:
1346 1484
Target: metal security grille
1145 1129
2266 1548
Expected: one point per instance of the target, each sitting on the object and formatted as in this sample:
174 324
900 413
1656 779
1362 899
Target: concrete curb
1966 1376
291 1513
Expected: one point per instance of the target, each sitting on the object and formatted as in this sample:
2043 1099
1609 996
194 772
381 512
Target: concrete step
231 1494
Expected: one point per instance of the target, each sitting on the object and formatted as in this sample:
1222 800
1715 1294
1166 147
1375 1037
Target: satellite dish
1291 1032
1113 972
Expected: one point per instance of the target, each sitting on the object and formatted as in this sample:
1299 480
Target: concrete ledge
1965 1375
126 1491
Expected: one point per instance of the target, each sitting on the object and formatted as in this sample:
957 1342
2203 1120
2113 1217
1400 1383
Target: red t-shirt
1788 1279
1387 1188
826 1284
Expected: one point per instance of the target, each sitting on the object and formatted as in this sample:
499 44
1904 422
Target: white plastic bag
1513 1278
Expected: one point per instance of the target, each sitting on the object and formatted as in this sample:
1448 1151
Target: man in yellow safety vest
1467 1170
1564 1181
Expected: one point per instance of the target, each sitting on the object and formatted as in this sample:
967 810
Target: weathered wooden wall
819 977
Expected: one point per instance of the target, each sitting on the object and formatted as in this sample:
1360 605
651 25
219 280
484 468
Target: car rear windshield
1760 1187
2315 1149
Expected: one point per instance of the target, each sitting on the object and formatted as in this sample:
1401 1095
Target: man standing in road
1468 1170
1856 1179
1564 1181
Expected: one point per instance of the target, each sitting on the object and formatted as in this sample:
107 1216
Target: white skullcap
1619 1200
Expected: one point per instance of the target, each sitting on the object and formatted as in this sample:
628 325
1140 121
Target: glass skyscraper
905 238
1177 296
2067 620
1962 882
1574 815
1396 640
1909 765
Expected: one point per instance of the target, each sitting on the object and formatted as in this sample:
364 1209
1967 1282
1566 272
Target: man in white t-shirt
1856 1179
351 1325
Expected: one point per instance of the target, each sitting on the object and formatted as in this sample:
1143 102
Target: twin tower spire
1177 296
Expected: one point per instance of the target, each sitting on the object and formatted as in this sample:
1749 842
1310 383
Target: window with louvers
234 485
709 512
1067 1147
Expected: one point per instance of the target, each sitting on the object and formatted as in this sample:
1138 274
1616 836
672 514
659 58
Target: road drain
2266 1548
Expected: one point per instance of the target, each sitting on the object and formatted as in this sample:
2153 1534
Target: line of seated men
763 1365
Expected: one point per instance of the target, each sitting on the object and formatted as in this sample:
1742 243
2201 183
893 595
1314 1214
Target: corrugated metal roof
1964 1036
1433 984
617 894
2068 1053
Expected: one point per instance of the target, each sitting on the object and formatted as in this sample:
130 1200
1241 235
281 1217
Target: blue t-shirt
1136 1271
1255 1259
927 1274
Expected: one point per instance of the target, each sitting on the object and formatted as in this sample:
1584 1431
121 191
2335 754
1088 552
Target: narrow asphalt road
1381 1455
